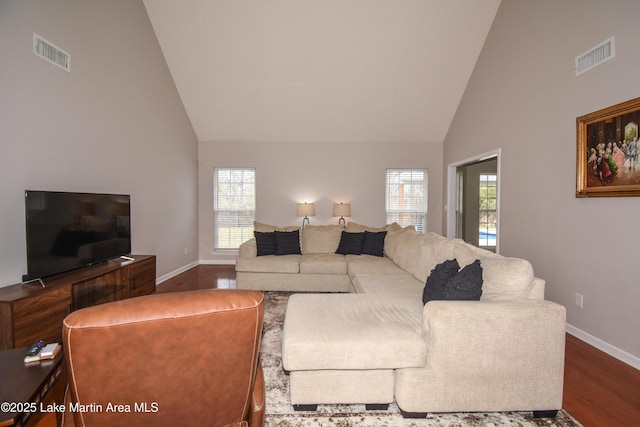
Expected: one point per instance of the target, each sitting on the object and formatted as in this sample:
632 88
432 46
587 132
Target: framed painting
608 152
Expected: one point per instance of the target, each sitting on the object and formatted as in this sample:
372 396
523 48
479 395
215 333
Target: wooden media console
31 312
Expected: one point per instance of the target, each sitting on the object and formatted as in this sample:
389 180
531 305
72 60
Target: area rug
280 413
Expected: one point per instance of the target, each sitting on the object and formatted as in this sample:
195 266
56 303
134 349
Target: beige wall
114 124
524 97
323 173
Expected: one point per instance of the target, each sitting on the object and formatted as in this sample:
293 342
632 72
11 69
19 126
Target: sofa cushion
467 253
354 227
350 243
321 239
434 251
506 278
269 264
267 228
400 283
265 243
368 264
408 251
350 331
393 239
323 264
287 242
373 243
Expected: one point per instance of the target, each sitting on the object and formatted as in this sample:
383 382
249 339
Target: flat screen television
66 231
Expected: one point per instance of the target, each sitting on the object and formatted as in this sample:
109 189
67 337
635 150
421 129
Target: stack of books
42 351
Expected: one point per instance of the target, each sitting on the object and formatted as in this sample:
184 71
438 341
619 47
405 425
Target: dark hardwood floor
599 390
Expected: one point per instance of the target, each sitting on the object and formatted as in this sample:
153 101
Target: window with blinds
406 197
234 205
488 220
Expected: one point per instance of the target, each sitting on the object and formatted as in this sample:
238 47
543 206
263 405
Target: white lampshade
341 209
306 209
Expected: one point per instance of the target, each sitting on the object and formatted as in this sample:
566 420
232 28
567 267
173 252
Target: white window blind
406 197
234 205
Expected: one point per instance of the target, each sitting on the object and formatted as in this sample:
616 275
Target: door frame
452 191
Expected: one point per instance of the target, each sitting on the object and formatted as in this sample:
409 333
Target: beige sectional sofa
380 343
317 269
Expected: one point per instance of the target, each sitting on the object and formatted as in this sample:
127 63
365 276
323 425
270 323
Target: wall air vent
595 56
51 53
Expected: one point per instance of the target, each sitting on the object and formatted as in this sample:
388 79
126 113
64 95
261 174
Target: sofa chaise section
343 348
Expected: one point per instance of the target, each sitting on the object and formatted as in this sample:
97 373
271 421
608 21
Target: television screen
65 231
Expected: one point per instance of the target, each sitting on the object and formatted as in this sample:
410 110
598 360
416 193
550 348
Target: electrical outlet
579 300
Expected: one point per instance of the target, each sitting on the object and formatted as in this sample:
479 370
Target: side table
27 390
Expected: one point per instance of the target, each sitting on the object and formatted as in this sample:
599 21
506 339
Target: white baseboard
218 261
611 350
174 273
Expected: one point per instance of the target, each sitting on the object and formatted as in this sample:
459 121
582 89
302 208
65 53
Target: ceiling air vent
51 53
595 56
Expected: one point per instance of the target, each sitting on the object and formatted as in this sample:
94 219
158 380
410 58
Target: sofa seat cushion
352 331
401 283
269 264
369 264
323 264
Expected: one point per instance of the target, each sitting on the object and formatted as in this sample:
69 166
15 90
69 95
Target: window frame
417 210
486 182
240 229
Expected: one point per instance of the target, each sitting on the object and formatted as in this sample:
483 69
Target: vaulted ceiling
321 70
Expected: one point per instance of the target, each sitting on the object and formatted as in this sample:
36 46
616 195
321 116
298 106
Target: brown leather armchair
175 359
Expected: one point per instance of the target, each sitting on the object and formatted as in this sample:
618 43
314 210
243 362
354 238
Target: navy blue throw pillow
447 283
288 242
438 279
350 243
265 243
373 243
466 285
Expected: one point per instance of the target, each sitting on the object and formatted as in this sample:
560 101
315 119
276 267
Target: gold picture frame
608 151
